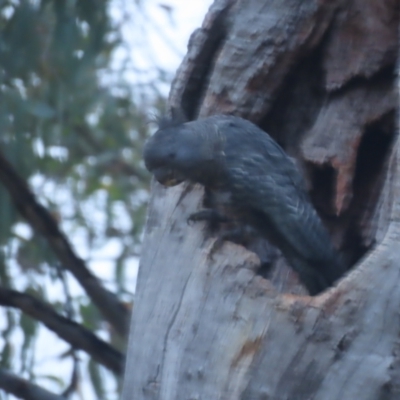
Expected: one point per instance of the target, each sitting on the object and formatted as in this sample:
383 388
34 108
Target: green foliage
78 142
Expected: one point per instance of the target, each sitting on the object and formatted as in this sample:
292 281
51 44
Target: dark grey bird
242 165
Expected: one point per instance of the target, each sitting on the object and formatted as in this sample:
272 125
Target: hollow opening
322 189
372 157
294 112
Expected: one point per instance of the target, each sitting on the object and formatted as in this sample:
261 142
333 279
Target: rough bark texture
319 76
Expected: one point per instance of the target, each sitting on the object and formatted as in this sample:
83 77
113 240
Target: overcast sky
156 37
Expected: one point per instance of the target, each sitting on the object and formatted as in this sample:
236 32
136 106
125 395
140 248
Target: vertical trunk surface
319 76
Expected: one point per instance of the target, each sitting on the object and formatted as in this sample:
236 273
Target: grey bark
320 77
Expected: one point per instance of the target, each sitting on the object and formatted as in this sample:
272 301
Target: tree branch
23 389
73 333
42 222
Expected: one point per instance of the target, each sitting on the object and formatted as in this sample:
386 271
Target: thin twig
24 389
42 222
78 336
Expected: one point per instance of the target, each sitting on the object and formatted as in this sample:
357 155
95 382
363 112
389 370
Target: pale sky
161 35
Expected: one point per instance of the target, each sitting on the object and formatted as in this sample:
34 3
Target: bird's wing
274 188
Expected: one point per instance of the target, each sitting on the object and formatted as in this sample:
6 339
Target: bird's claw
213 217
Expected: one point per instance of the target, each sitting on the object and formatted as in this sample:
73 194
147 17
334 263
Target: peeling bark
336 141
319 76
363 41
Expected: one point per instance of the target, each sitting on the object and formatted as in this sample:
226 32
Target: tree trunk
319 76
